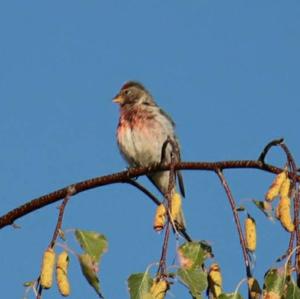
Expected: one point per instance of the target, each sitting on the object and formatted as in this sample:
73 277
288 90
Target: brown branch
296 221
266 149
288 251
237 221
162 269
295 188
122 177
144 190
40 290
71 191
171 184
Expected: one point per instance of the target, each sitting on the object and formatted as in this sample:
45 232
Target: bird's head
133 93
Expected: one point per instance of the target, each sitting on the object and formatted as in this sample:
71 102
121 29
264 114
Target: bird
142 132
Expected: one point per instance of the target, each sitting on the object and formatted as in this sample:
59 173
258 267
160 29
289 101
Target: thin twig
162 269
121 177
40 291
286 254
71 191
179 227
266 149
290 158
144 190
294 186
237 222
185 234
296 215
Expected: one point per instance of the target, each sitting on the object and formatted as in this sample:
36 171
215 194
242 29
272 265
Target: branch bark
237 222
123 177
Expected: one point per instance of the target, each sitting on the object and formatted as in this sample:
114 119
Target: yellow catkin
254 288
284 213
62 274
46 277
176 211
215 280
275 187
160 218
159 289
285 188
250 232
175 205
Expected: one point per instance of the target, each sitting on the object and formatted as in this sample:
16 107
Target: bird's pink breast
139 140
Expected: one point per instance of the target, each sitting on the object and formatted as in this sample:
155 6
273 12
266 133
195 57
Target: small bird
141 133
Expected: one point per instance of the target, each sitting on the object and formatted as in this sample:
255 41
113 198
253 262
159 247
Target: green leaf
293 292
89 269
230 296
139 285
207 249
93 243
274 281
191 255
265 207
195 279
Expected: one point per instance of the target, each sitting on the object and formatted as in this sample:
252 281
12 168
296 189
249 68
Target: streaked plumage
142 130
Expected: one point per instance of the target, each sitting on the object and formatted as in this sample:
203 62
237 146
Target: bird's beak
118 99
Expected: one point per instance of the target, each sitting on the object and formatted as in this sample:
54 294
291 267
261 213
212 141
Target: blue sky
226 71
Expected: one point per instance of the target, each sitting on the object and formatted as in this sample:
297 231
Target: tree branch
123 177
237 221
263 154
144 190
295 194
62 207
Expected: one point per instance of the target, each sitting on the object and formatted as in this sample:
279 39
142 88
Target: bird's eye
127 92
